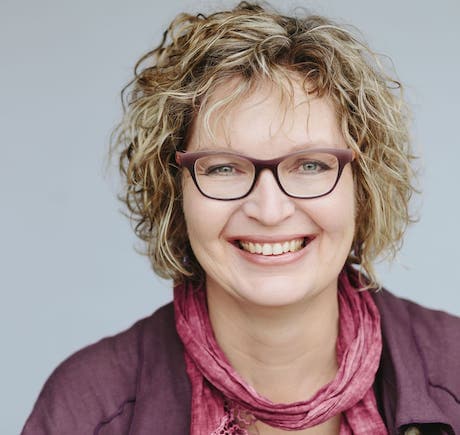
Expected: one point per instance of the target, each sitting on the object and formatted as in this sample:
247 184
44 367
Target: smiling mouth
277 248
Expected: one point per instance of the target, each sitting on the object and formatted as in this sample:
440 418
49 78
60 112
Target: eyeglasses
310 173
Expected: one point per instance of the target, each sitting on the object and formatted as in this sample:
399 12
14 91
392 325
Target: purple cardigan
135 382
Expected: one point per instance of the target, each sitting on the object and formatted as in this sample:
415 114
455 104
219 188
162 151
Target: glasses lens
224 176
308 174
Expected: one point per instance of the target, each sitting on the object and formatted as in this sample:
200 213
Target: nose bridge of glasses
267 165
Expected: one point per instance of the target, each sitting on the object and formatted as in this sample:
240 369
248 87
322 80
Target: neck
285 353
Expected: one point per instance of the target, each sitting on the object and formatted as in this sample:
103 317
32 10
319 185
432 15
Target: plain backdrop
69 271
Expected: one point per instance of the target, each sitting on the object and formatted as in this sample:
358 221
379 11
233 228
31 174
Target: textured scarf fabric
215 383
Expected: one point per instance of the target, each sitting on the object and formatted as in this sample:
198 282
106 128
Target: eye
309 166
312 166
220 170
223 166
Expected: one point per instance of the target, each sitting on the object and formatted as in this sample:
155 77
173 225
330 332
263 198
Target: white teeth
277 249
272 248
267 249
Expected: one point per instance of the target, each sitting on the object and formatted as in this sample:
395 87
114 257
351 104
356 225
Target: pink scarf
219 394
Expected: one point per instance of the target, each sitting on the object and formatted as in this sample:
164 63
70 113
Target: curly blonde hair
173 82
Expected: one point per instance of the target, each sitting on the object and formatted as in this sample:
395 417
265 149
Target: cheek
193 209
204 218
337 219
335 213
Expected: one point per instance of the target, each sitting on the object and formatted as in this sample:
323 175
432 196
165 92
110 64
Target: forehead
264 115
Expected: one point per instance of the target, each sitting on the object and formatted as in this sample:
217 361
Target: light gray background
69 273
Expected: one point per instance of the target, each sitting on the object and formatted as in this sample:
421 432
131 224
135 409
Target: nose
267 203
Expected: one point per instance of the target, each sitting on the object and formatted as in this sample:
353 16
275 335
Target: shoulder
420 357
98 383
433 326
433 330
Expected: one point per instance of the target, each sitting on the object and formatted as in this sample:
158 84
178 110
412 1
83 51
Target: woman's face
261 127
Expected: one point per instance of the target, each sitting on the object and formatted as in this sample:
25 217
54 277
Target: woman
267 164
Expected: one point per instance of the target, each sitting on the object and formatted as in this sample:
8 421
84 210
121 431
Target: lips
273 248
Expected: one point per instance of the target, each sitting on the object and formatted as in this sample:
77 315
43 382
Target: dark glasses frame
187 160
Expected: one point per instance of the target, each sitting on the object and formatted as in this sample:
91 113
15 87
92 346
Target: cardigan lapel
402 381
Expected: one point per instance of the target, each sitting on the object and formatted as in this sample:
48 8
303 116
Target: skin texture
276 317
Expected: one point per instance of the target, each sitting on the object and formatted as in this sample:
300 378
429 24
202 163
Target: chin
276 291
